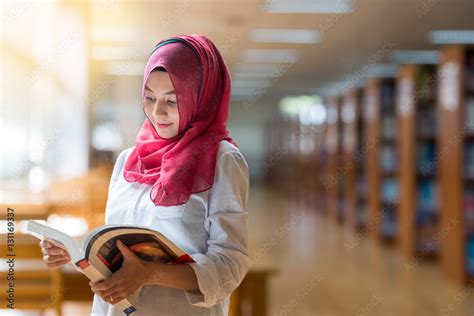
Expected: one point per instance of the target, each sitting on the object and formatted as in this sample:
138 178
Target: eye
149 98
171 102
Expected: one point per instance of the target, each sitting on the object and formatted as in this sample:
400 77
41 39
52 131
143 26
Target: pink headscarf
185 164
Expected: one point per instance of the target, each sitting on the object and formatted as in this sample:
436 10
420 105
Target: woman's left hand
125 281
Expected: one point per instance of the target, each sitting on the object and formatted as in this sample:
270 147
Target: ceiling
348 42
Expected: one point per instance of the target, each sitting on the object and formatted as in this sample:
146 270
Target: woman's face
160 104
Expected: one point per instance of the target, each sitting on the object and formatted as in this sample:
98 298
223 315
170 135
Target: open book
98 257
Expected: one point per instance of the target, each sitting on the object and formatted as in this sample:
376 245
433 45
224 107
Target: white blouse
211 227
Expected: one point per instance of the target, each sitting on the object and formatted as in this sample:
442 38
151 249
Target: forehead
159 80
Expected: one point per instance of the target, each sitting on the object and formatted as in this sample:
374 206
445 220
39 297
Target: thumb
126 253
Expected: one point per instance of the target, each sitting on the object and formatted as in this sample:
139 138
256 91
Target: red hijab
185 164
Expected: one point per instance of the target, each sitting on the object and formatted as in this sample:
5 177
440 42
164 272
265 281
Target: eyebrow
169 92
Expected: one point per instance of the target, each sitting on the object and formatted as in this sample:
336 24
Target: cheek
146 109
175 114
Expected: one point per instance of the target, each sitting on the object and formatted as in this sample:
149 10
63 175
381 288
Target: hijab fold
185 164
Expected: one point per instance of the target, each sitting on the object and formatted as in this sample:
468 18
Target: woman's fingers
50 249
117 299
114 291
55 251
45 244
105 294
55 258
57 264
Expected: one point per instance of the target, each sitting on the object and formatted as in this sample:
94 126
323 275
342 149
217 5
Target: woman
186 178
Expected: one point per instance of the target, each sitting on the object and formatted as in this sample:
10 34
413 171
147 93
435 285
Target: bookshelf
419 204
350 143
381 163
308 141
317 173
341 172
279 158
361 212
332 183
294 159
323 176
456 164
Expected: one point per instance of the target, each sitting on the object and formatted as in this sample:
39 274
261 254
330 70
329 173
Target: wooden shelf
388 173
453 92
388 240
430 176
469 137
389 203
431 255
413 79
374 113
431 139
424 103
333 139
388 141
351 157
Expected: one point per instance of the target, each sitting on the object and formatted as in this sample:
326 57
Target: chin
166 135
163 133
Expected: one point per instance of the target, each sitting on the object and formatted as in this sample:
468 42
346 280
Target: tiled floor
324 271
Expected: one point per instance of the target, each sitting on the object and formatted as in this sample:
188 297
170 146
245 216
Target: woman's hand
54 256
125 281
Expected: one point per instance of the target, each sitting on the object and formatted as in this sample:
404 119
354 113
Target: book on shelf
98 257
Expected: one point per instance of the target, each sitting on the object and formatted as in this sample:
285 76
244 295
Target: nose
159 110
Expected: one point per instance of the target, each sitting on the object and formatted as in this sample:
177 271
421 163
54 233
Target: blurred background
356 119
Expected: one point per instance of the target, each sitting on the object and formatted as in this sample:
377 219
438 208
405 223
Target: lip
163 125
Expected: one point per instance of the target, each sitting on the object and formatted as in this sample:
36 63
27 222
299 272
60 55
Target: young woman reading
186 178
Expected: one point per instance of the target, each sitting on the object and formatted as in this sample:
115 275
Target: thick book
98 257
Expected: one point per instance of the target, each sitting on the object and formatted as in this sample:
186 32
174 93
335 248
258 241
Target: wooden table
250 298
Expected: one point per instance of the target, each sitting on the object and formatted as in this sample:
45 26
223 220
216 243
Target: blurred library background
356 119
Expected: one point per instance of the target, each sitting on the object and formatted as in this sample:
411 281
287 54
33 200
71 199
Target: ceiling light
268 55
250 75
250 83
415 57
241 90
308 6
293 36
451 37
382 70
256 68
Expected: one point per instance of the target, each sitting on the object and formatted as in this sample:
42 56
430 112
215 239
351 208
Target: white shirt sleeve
221 269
